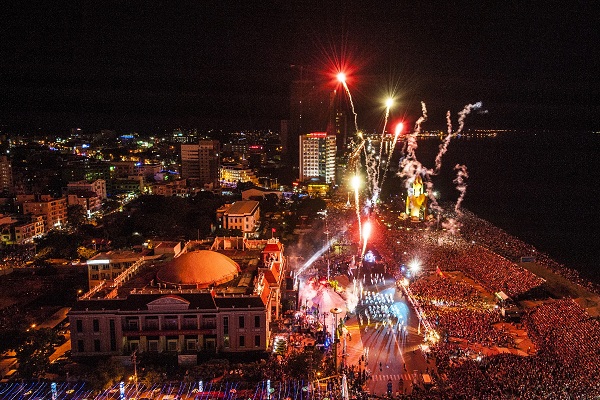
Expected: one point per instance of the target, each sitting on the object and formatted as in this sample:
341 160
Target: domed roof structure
200 269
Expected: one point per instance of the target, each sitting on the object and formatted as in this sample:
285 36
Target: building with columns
213 300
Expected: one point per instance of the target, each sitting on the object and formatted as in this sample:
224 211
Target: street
387 351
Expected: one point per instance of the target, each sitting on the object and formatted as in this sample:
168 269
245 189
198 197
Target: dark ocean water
543 188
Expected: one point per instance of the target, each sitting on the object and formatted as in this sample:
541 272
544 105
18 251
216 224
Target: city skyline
128 66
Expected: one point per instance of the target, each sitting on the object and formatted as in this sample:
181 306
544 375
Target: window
190 322
257 341
96 325
191 344
170 323
79 325
133 324
257 321
152 323
80 346
226 325
97 345
209 322
113 335
172 345
153 345
225 340
242 341
241 321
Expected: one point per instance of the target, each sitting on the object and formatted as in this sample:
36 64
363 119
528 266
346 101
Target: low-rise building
242 215
53 210
231 174
106 266
172 188
88 200
21 230
98 186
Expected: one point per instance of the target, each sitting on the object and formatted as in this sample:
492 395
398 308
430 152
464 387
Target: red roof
271 248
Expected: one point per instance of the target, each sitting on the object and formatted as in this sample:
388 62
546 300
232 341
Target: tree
33 355
151 376
75 216
303 364
86 253
11 338
107 373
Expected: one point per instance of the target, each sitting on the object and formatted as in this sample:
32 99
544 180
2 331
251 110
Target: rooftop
243 207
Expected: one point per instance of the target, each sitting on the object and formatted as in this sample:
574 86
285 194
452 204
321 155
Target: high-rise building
314 107
309 112
6 179
200 162
317 156
339 123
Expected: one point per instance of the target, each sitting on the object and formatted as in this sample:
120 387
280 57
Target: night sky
151 65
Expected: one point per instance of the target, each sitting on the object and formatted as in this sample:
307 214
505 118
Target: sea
542 187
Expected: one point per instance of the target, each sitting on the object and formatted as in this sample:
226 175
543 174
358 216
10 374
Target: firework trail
397 133
461 124
352 107
409 165
412 138
372 167
366 234
342 79
461 186
385 121
434 204
355 185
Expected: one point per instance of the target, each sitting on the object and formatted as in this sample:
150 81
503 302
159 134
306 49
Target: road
390 355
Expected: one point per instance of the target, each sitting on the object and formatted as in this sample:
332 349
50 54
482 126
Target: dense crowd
494 271
476 326
476 229
446 292
566 338
565 331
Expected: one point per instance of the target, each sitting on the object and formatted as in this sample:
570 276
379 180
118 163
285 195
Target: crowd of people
476 326
446 292
566 338
481 231
494 271
568 333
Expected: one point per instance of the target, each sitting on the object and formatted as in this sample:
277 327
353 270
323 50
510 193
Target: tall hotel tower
317 156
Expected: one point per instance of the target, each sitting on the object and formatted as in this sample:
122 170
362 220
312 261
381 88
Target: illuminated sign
94 262
318 134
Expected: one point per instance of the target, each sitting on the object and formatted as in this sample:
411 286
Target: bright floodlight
415 266
389 102
356 182
341 77
366 230
399 128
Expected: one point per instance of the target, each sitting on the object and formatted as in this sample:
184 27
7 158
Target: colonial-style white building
201 301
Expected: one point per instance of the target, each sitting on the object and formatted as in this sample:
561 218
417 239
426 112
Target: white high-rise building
317 156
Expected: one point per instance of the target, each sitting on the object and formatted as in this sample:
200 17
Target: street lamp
336 337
